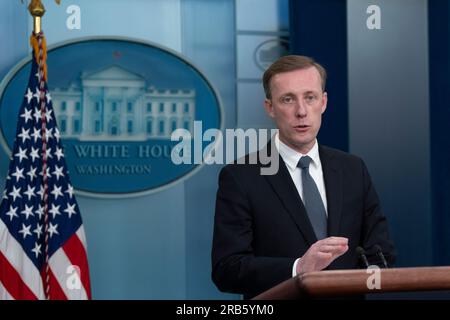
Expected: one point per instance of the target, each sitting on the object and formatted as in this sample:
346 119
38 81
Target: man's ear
324 102
269 107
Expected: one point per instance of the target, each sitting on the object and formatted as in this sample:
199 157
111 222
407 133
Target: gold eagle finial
37 10
36 7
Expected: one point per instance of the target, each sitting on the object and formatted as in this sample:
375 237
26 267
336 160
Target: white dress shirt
291 158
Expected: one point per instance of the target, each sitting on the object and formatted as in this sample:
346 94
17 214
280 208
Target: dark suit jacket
261 226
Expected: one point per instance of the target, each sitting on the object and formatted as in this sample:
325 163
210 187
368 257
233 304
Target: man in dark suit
312 213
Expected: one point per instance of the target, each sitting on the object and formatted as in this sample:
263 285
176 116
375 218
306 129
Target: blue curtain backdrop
319 29
439 53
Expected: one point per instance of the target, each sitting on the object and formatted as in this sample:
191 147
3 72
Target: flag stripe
56 292
60 263
13 282
76 253
13 253
4 294
82 236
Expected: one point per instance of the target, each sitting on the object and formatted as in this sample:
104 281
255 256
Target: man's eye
310 98
287 99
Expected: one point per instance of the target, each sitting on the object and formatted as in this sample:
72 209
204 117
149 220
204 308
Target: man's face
296 106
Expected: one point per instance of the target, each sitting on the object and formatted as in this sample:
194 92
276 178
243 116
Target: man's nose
300 109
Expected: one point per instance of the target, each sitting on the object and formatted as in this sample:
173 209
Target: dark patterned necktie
312 200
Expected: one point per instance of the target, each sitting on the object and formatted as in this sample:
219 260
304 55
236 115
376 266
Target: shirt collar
292 157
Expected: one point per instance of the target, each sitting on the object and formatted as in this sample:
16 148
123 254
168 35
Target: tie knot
304 162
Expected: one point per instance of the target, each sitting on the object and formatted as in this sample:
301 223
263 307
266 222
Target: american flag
42 240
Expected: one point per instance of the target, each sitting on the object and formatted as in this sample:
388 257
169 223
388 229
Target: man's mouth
301 128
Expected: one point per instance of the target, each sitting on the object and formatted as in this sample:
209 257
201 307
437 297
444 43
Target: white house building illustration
115 104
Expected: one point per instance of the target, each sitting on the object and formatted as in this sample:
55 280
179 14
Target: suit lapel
334 190
284 187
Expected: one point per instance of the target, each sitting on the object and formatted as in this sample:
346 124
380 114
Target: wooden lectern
355 282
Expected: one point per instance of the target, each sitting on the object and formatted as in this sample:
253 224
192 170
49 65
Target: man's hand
322 253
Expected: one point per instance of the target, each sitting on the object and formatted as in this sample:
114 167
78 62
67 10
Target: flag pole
37 40
38 44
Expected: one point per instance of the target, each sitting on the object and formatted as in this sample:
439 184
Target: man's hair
291 63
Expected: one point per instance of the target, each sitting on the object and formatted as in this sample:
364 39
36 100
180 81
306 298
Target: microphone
362 255
381 255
